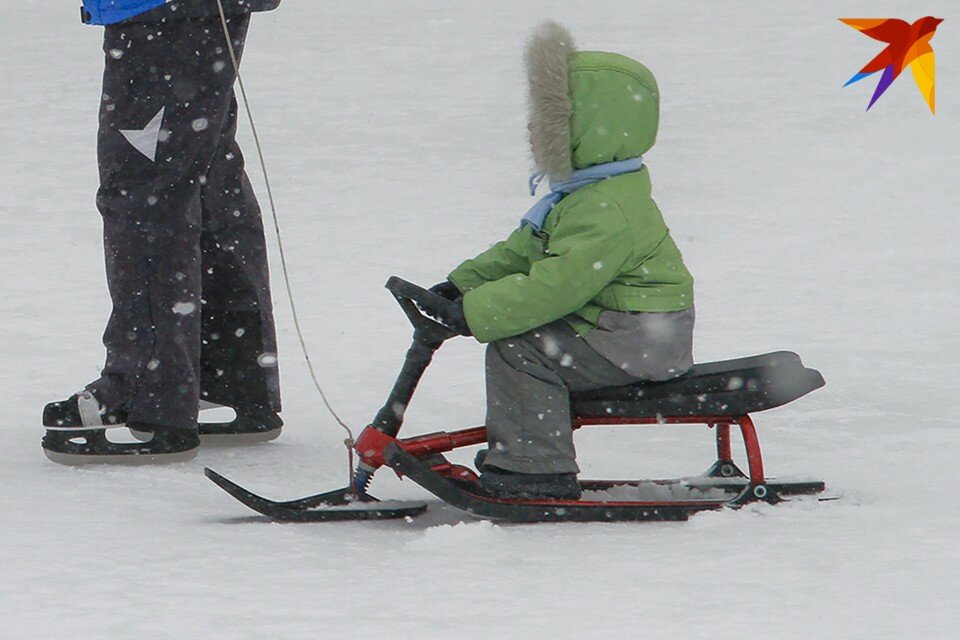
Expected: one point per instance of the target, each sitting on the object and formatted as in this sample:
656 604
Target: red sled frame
372 446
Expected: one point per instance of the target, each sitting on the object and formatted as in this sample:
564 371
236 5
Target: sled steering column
428 336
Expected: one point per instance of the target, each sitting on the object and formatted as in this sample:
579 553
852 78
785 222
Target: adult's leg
166 93
529 379
238 353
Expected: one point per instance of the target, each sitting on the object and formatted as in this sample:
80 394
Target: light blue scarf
537 214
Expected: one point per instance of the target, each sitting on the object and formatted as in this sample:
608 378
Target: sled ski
720 395
704 494
323 507
459 495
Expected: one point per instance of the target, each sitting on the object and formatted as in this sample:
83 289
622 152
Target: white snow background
395 133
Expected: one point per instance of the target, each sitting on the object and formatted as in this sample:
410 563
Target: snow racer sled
720 395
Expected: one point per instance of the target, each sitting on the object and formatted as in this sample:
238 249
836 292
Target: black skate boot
76 434
250 426
81 411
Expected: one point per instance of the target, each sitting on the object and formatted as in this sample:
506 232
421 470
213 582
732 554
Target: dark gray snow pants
186 261
530 377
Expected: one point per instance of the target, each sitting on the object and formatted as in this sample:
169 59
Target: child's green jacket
605 246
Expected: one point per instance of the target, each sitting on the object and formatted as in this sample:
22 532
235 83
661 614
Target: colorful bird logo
907 44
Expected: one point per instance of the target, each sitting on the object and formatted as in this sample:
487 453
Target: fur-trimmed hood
586 107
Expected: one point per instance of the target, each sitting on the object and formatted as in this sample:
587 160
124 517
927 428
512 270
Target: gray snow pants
530 377
186 261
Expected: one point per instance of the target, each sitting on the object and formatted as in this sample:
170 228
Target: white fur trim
550 108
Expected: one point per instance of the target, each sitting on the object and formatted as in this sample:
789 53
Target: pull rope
349 441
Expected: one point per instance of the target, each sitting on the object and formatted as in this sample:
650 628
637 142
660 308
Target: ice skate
77 434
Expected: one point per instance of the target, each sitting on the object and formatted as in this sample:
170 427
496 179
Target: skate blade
122 459
118 425
238 439
221 439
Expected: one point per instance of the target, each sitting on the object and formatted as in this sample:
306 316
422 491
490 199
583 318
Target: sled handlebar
423 308
428 300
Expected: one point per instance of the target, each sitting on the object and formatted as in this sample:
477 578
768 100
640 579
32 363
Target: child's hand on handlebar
454 318
447 289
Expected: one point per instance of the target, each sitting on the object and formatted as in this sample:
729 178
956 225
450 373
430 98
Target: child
590 291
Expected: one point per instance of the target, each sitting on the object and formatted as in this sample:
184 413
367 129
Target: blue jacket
113 11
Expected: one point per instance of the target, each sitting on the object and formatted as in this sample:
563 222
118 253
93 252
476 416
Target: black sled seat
724 388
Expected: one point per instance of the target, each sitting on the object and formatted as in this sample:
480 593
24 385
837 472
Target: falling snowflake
267 360
551 347
184 308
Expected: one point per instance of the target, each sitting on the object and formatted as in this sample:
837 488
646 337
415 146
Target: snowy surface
395 134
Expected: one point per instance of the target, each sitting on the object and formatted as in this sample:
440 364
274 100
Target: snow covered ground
395 134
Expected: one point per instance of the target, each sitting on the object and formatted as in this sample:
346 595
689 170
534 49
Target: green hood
616 108
586 107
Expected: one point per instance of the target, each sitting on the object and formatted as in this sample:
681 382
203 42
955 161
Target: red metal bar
723 443
442 441
372 443
456 472
752 445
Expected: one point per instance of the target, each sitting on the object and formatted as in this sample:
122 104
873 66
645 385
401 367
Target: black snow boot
479 461
501 483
